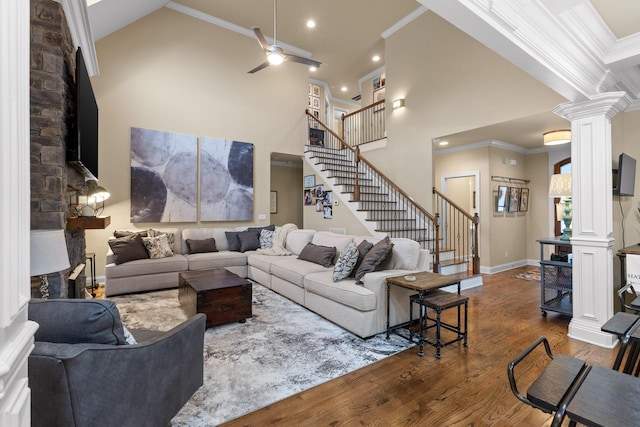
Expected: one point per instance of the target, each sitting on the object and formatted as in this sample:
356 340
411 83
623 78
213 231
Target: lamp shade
48 252
556 137
96 193
560 185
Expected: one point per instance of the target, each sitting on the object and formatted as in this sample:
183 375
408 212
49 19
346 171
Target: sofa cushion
404 256
261 262
271 227
249 240
128 248
318 254
327 238
266 239
375 257
363 248
233 240
176 263
221 259
201 233
298 239
158 247
345 292
346 262
199 246
294 270
74 321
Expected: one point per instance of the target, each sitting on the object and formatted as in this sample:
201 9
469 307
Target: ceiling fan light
275 58
557 137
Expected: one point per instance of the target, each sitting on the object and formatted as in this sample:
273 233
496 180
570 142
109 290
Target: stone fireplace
53 181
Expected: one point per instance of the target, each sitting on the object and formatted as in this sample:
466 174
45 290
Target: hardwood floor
467 386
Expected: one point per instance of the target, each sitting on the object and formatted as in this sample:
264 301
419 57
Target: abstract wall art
163 176
226 180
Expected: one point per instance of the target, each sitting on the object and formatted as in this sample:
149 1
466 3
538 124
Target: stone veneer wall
52 111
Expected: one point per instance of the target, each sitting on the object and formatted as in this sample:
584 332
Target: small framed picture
524 199
273 202
315 90
309 181
315 102
316 113
502 198
307 197
310 89
514 199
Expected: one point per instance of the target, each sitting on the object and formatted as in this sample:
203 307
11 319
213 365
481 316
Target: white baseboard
508 266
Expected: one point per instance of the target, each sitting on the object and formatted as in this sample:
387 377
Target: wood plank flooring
466 387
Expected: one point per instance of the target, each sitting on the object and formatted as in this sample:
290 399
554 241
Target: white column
592 194
16 332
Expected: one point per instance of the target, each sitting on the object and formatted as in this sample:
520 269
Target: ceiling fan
275 54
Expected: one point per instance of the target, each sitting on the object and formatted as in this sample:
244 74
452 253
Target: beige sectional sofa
359 308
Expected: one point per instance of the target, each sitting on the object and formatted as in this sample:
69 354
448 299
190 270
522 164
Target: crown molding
77 16
404 21
502 145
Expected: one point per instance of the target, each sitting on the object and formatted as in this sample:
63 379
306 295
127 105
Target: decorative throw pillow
271 227
202 246
125 233
128 338
346 262
363 248
318 254
233 240
266 238
158 247
376 256
128 248
155 233
249 240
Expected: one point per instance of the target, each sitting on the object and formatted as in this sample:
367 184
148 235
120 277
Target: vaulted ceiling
550 39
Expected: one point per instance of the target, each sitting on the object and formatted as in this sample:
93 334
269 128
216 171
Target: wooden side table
424 282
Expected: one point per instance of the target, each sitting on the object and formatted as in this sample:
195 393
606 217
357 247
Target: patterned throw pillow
155 233
158 247
346 262
266 239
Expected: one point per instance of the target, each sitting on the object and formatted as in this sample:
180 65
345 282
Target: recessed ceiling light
343 88
311 23
443 143
312 69
376 58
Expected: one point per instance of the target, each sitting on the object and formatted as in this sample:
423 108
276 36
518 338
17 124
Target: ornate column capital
608 104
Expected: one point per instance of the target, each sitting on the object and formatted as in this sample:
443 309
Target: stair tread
453 262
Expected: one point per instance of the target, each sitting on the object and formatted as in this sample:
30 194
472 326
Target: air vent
356 98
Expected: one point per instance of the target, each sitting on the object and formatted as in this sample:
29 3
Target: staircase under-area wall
385 209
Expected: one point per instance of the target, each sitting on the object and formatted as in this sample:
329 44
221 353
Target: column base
588 331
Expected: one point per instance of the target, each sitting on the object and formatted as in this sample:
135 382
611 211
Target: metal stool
439 301
91 257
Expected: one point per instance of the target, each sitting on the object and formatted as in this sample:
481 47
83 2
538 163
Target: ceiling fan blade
302 60
265 64
263 42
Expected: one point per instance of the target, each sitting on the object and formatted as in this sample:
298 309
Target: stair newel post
436 246
476 256
343 117
356 191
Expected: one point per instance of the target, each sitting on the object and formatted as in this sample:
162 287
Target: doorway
463 189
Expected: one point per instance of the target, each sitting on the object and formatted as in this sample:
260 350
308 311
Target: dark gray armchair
82 372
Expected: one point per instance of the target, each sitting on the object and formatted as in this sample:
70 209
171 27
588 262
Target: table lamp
48 255
560 186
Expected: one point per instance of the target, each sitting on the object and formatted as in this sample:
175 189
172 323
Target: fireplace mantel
88 223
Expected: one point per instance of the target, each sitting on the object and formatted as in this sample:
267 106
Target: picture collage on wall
512 199
314 100
314 195
165 180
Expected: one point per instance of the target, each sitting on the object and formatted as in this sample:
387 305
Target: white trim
404 21
505 267
77 15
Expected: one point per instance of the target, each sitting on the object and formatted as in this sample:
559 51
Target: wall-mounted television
82 150
624 178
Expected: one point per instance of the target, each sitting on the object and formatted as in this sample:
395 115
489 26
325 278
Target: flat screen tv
624 178
82 151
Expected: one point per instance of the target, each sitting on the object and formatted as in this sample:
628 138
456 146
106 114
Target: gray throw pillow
202 246
376 256
249 240
346 262
75 321
363 248
318 254
125 233
233 241
128 248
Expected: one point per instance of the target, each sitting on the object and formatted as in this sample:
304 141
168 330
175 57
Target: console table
556 289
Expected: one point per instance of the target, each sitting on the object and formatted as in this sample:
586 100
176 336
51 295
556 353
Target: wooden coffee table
224 297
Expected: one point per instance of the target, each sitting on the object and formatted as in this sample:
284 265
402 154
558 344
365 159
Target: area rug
282 350
532 275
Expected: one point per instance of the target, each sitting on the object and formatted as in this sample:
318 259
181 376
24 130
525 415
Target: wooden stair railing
364 125
460 230
394 211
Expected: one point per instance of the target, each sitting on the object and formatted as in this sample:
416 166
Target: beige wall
287 182
171 72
